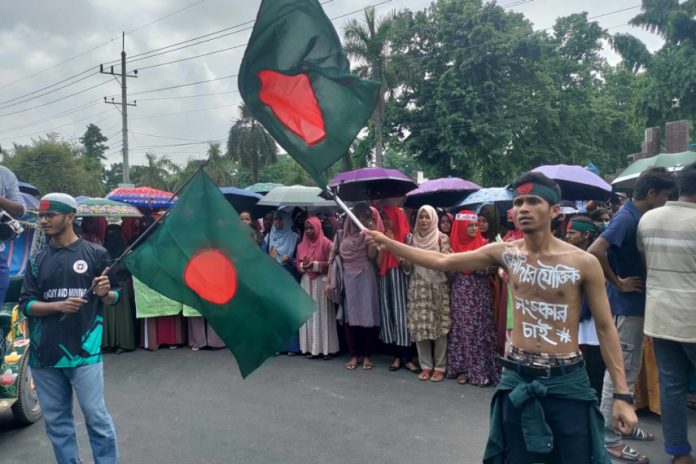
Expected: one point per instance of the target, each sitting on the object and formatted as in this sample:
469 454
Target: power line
178 97
49 118
45 131
160 89
47 93
155 116
164 17
48 86
163 137
54 101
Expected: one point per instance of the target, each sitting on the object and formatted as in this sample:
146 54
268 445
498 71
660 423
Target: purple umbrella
576 182
371 184
441 193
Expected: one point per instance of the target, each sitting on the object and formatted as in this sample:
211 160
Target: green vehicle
16 385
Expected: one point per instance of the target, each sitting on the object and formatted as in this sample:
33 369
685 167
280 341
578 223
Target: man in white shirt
667 240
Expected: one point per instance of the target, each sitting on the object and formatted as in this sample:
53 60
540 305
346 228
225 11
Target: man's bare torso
547 296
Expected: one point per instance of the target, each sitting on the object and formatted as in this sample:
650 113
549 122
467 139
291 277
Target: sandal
628 454
412 368
438 376
367 365
326 357
425 374
352 364
462 380
640 435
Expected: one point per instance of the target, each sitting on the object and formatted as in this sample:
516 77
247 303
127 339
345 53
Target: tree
113 176
52 165
249 144
218 167
368 43
160 173
667 77
94 149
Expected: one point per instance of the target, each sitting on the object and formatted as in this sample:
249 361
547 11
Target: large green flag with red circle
202 255
295 79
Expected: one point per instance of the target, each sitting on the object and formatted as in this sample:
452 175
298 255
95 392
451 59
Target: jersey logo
80 266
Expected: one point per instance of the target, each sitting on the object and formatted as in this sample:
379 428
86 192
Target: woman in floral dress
429 299
471 343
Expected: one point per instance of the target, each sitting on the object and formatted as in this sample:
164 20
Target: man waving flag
202 256
296 81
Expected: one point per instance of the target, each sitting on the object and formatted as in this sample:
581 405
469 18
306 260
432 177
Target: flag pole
344 207
142 236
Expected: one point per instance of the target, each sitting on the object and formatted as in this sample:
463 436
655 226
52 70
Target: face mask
606 224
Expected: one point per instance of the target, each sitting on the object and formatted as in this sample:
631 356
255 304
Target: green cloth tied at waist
524 394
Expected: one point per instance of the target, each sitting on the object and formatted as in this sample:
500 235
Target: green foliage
52 165
283 171
249 144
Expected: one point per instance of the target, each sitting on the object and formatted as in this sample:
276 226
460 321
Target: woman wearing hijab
393 290
471 343
429 299
361 304
319 336
281 244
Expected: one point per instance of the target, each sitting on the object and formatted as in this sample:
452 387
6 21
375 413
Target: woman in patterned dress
429 299
318 336
471 344
393 288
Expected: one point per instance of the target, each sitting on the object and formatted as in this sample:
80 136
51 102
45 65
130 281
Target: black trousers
569 421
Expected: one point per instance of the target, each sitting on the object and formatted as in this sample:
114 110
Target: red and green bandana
61 203
532 188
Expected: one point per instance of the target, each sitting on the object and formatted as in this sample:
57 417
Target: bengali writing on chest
543 276
541 312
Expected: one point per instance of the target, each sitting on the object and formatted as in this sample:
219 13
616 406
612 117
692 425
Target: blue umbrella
491 195
241 199
28 188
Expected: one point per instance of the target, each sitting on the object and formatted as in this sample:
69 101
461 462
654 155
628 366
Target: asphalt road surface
179 406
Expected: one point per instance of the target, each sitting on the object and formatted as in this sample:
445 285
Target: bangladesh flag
296 81
203 256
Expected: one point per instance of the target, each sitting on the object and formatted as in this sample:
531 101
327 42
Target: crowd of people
456 322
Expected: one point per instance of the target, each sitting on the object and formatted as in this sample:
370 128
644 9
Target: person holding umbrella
361 304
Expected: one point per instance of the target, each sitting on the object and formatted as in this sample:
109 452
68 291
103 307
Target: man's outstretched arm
462 262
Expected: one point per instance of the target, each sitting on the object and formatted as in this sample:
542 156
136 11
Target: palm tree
158 173
368 44
249 144
217 167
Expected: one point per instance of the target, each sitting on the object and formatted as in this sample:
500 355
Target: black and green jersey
55 274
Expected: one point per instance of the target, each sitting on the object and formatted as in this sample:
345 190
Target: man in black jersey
66 332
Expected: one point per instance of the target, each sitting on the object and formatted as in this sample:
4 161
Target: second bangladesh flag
296 81
204 256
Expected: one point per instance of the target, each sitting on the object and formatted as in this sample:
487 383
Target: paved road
179 406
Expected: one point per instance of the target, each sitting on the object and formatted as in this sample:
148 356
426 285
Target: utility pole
124 105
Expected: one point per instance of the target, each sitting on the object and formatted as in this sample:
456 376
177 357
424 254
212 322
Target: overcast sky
45 41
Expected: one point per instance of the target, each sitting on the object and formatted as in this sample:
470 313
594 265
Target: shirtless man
544 409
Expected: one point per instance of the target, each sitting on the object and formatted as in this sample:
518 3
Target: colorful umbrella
441 193
263 187
295 195
26 187
241 199
371 184
101 207
672 161
576 182
142 197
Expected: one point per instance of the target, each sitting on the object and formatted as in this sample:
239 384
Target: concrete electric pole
124 105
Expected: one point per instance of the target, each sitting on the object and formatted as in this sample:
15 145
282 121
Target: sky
45 42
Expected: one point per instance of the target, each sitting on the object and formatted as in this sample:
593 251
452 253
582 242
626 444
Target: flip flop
629 454
425 374
462 380
368 365
351 366
640 435
437 376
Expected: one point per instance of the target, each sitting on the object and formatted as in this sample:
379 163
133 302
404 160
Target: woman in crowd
429 299
361 304
472 339
488 222
319 336
393 290
256 234
201 334
119 319
281 245
445 224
